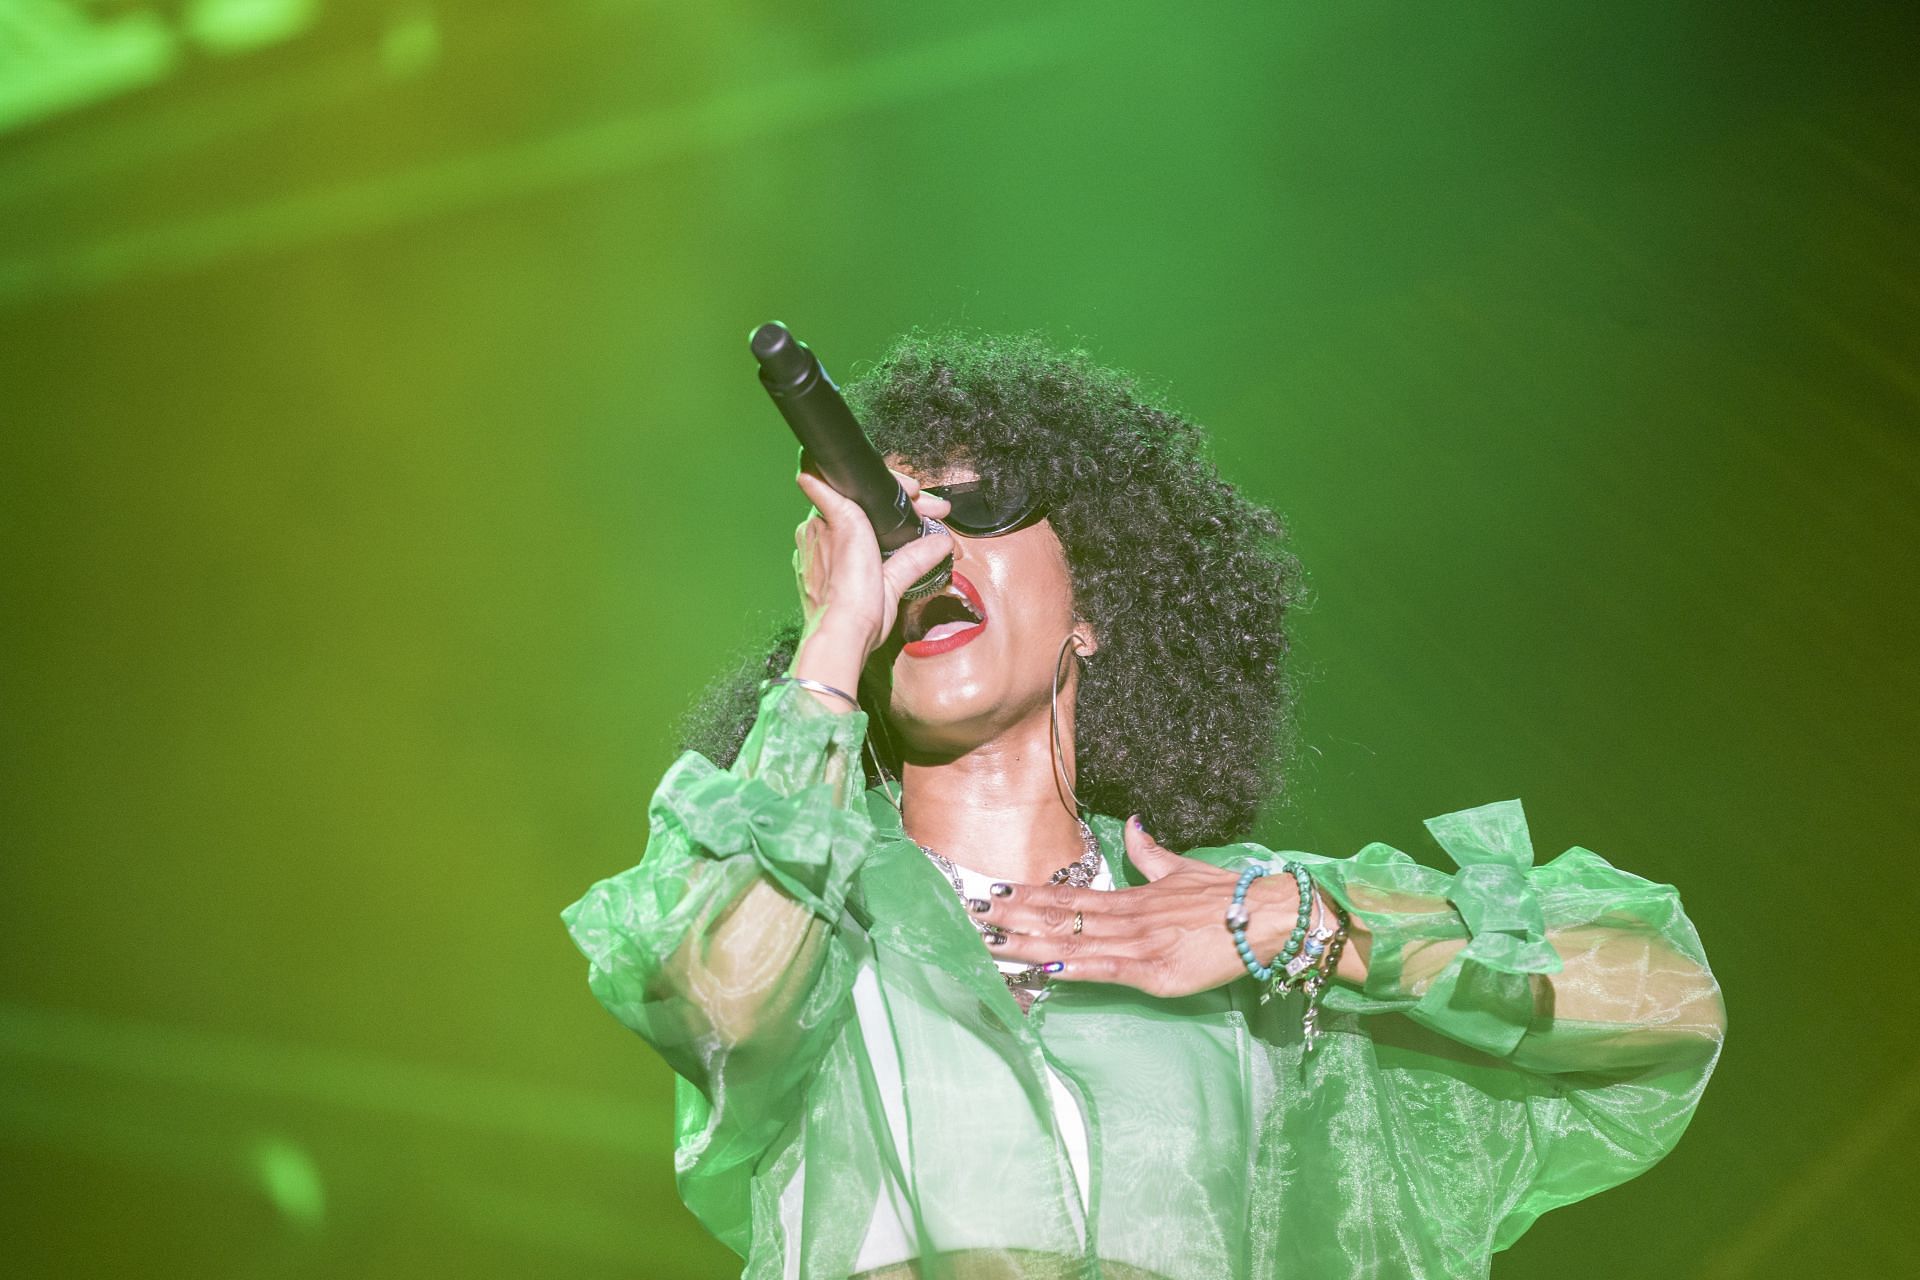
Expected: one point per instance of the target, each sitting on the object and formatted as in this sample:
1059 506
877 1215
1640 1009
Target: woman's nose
962 546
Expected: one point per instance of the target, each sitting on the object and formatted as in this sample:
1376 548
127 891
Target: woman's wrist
1358 951
830 657
1273 907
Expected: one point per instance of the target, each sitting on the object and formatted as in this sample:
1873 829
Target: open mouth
945 620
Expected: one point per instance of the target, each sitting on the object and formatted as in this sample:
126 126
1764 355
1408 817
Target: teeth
954 593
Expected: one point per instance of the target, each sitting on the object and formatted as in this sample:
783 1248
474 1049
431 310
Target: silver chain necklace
1029 983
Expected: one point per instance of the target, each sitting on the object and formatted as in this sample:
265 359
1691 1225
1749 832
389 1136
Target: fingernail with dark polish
1002 890
1053 966
996 939
978 905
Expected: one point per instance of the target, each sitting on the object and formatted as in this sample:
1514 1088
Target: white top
889 1239
1066 1108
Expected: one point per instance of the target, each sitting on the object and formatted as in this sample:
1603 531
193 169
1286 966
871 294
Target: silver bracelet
814 685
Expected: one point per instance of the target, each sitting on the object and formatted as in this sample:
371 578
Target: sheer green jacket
1526 1036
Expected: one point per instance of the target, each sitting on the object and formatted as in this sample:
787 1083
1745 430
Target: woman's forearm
1623 995
725 925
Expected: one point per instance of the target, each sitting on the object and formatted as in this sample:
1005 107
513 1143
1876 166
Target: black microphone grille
784 359
768 340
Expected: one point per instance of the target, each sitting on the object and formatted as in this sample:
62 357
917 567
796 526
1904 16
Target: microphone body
834 445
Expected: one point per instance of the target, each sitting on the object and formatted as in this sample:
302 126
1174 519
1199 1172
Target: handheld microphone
834 445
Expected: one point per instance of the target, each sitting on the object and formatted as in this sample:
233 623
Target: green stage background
382 470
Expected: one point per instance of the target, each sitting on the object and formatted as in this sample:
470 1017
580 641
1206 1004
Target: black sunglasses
983 509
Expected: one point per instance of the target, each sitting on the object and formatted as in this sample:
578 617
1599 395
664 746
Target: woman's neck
999 808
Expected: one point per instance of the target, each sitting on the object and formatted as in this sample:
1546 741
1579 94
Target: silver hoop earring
1053 716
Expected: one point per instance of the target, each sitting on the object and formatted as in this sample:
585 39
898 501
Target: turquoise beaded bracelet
1237 920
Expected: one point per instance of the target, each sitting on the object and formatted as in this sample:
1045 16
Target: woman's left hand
1167 937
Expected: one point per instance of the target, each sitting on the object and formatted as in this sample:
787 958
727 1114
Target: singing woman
944 1001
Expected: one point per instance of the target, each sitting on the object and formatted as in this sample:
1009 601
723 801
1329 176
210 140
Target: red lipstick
948 643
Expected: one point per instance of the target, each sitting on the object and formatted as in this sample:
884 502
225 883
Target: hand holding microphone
850 595
875 539
833 444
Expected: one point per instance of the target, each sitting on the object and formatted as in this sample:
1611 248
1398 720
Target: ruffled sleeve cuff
798 742
791 807
792 800
1486 921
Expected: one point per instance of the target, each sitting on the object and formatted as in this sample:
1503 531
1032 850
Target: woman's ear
1083 642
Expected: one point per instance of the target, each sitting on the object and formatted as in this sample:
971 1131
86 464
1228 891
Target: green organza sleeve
720 948
1587 979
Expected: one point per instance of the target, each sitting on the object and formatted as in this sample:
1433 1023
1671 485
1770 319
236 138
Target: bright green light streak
237 1065
52 60
582 155
241 26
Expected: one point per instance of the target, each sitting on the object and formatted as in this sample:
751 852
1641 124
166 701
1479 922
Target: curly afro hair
1183 716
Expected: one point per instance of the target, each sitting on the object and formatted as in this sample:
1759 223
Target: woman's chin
943 713
947 704
947 728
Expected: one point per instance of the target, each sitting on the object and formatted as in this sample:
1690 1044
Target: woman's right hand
850 595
